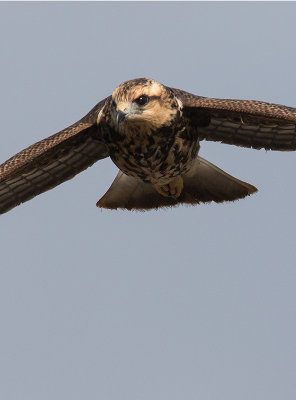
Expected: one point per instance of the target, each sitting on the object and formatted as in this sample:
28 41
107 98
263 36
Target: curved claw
172 189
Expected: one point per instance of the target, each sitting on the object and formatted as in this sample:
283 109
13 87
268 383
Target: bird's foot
172 189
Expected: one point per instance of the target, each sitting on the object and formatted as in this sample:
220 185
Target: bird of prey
152 133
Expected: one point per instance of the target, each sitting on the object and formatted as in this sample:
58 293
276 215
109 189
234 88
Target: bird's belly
157 164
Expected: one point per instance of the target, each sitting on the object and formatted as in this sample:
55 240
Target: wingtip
252 189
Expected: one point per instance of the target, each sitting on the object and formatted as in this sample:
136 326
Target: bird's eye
142 100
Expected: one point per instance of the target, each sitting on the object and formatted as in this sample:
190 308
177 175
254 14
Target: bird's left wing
247 123
51 161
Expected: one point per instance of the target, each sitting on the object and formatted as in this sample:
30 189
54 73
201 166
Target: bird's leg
172 189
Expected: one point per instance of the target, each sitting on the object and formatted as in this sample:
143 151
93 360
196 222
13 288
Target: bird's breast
156 157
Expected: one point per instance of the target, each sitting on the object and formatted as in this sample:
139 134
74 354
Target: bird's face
142 103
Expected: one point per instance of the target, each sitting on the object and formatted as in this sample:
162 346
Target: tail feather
203 183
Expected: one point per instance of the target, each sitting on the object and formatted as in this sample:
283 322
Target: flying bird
152 133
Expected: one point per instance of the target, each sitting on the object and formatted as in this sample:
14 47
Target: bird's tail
203 183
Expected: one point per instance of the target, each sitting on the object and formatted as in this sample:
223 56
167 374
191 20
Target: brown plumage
152 133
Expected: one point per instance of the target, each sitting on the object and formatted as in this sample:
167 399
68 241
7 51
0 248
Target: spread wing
247 123
51 161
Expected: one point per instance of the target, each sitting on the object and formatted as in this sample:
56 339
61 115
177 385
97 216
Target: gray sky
188 303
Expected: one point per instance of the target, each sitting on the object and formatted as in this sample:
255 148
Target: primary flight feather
152 133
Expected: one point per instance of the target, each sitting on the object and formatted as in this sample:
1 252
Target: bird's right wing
51 161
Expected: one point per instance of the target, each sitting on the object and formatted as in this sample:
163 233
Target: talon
163 190
173 188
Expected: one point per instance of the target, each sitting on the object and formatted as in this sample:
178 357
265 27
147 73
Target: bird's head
142 103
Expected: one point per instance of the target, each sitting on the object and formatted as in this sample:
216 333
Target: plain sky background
188 303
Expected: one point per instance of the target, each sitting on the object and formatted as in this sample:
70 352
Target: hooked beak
122 110
120 116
